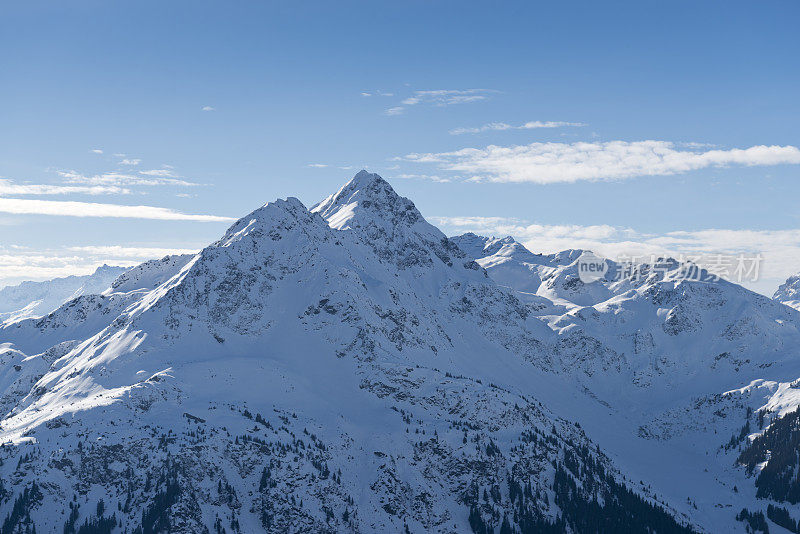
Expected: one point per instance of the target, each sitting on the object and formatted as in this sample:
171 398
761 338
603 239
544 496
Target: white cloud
8 187
432 178
317 165
545 163
441 97
15 268
22 263
150 178
97 151
549 238
492 225
130 161
90 209
500 126
119 251
780 249
164 173
208 108
376 93
693 144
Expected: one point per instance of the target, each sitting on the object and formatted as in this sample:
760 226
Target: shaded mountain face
34 299
349 368
789 292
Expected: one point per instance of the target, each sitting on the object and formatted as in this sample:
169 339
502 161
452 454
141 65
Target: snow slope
296 373
350 368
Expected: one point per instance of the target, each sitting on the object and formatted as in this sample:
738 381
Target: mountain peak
366 197
478 246
110 270
364 178
272 218
390 224
367 184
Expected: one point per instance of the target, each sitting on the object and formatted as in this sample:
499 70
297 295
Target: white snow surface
34 299
395 356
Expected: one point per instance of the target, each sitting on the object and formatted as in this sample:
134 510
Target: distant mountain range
34 299
349 368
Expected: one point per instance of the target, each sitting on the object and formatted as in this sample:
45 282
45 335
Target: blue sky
632 126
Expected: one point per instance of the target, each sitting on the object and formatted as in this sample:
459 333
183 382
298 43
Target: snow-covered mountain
350 368
789 292
667 349
539 279
149 274
34 299
668 322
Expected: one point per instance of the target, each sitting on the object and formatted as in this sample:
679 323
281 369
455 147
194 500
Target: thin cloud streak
430 177
164 173
501 126
547 163
8 187
119 251
441 98
155 177
18 206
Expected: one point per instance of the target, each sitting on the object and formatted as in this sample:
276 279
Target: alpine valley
349 368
